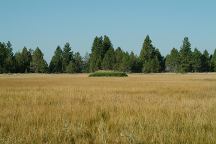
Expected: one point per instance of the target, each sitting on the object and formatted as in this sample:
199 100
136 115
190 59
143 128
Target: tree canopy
104 56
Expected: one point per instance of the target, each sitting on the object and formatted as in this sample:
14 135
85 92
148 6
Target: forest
104 56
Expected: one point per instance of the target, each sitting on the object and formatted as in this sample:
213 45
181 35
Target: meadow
138 109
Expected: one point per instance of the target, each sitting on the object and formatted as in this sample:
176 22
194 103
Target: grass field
139 109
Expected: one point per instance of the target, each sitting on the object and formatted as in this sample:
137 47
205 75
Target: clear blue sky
48 23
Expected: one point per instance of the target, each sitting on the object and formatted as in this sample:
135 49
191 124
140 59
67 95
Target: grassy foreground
139 109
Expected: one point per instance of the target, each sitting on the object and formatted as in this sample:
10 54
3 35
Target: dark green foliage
196 61
85 66
205 61
71 67
122 61
147 50
187 61
23 60
152 66
118 58
173 61
38 64
65 61
6 58
109 60
125 64
103 56
106 46
67 56
161 60
108 74
95 56
56 64
135 64
151 58
185 56
75 65
213 62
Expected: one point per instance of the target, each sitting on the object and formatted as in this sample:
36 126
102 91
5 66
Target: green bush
108 74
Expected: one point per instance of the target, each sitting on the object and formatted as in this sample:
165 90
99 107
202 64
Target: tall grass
159 108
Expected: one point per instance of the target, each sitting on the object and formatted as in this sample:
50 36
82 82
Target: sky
49 23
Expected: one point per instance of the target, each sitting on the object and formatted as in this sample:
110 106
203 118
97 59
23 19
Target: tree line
104 56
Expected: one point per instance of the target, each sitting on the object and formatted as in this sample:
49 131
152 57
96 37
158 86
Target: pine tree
19 68
118 58
185 56
23 61
125 64
213 62
75 65
85 67
147 50
38 64
109 60
135 66
66 56
95 56
196 61
9 61
173 61
150 57
56 64
27 57
6 58
106 46
160 58
205 61
78 62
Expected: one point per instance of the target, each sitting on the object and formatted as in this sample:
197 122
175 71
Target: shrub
108 74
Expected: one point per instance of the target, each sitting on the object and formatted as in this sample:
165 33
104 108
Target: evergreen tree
118 58
106 46
103 56
147 50
6 58
135 65
27 57
78 62
23 61
160 58
9 62
150 57
38 64
95 56
56 64
66 56
2 57
205 61
213 62
185 56
196 61
75 65
85 67
152 65
19 67
71 67
125 64
173 61
109 60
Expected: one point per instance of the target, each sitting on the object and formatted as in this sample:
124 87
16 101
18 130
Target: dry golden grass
154 108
